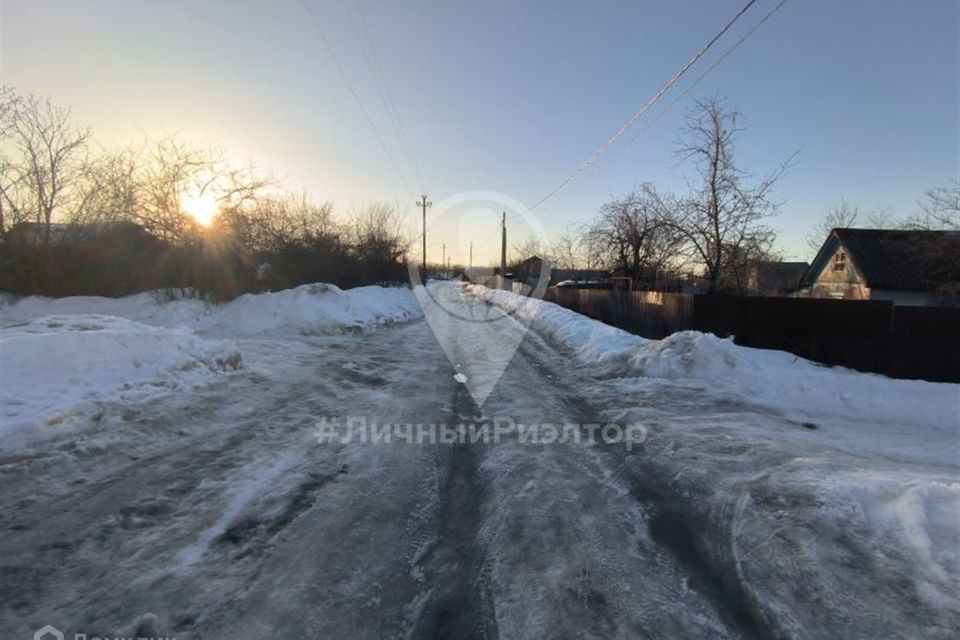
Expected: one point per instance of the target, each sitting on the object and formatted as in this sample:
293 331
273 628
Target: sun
202 206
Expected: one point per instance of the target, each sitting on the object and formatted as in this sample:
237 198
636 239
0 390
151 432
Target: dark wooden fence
852 333
870 335
651 314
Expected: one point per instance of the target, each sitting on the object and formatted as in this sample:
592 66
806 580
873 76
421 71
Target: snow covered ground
55 370
161 474
61 359
306 310
825 495
774 379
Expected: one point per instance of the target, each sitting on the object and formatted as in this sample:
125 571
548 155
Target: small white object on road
459 377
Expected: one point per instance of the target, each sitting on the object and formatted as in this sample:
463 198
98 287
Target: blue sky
511 96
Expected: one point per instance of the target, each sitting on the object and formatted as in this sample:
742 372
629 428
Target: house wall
846 284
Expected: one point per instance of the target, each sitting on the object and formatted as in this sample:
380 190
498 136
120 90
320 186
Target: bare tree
722 214
43 153
274 222
168 170
529 248
569 249
883 218
840 216
939 209
379 237
9 176
736 269
108 189
631 235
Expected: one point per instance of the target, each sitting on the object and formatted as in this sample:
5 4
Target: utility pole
423 203
503 251
470 268
443 260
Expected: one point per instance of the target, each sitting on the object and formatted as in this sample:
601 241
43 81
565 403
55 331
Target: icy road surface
217 514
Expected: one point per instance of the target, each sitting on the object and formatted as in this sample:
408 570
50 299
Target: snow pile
313 309
54 369
62 356
306 310
156 308
774 379
790 383
591 342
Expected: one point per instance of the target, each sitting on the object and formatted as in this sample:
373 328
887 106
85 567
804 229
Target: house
908 267
771 278
528 269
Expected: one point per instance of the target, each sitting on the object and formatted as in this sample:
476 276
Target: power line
353 92
633 119
393 107
362 32
693 85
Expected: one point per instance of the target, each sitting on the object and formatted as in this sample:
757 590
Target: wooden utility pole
443 260
503 251
423 203
470 267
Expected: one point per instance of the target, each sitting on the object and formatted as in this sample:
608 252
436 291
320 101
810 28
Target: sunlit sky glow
511 96
202 206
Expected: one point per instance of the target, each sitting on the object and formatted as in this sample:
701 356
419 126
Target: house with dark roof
908 267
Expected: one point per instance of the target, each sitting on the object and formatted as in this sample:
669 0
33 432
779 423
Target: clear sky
512 96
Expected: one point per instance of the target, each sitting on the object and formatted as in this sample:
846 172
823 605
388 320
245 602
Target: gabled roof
896 259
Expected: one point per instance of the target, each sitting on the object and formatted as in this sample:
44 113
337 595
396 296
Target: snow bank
313 309
156 308
60 356
305 310
55 368
775 379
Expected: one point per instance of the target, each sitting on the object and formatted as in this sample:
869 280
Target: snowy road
220 515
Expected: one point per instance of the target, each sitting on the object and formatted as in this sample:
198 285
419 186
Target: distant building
62 233
770 278
911 268
529 270
587 276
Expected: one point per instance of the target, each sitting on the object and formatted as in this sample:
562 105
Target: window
840 261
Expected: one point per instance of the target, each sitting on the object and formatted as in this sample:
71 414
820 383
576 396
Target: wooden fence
869 335
651 314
